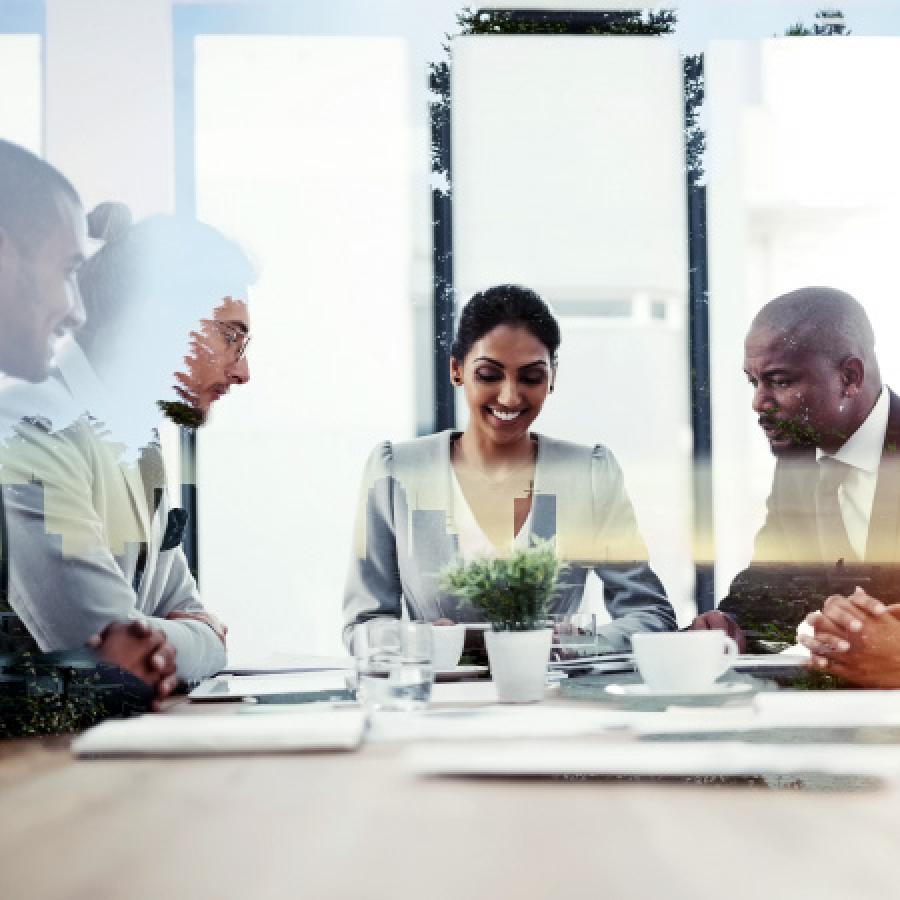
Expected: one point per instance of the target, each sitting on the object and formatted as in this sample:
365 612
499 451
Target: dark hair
29 190
506 304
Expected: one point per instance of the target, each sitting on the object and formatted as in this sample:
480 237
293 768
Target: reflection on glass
94 546
497 486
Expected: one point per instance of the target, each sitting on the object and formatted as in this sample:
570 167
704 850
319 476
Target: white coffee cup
685 661
447 643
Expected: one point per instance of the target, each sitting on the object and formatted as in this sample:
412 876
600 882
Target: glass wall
803 191
303 154
568 177
21 110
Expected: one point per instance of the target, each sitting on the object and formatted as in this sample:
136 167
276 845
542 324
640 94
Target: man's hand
141 650
219 627
857 638
716 621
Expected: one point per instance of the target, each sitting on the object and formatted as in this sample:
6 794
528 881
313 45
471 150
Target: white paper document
651 759
494 723
828 709
282 663
171 735
474 692
324 685
780 709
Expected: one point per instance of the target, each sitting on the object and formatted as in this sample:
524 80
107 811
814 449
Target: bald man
834 508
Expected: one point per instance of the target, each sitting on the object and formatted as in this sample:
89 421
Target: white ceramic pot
447 641
519 663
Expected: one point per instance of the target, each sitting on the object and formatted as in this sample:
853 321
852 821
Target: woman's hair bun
108 221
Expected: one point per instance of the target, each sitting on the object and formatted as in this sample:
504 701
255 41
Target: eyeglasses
237 341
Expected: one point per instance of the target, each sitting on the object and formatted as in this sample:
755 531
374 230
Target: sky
700 21
426 22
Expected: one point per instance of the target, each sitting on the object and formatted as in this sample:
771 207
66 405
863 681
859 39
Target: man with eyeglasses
87 503
218 362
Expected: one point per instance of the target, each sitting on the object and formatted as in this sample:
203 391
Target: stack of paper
172 735
638 759
781 709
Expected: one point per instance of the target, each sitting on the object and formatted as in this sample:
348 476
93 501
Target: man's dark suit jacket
788 577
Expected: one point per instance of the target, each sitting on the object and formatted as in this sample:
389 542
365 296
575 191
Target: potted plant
514 595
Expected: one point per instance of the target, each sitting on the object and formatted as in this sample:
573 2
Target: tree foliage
694 135
829 23
621 22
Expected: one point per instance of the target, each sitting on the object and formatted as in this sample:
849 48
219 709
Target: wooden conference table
359 825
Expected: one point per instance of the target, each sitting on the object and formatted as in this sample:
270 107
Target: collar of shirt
862 450
862 453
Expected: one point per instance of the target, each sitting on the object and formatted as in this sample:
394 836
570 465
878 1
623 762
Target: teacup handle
731 653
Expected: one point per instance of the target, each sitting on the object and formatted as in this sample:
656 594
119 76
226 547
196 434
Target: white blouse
473 542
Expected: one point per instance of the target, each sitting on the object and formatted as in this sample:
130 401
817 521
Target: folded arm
373 586
65 582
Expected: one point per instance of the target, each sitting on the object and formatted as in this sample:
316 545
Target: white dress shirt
862 452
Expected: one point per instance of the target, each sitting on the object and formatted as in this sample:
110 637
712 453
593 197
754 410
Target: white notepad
178 735
318 685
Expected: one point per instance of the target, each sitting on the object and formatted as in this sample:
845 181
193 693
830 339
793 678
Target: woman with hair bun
496 485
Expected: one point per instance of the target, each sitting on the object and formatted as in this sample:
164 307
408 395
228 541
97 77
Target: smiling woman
496 486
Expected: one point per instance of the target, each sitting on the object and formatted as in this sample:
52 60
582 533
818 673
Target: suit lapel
132 475
543 498
796 479
882 542
562 505
422 470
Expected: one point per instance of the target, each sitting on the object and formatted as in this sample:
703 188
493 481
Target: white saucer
643 690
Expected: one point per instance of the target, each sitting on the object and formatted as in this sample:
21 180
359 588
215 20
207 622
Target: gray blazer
404 536
87 531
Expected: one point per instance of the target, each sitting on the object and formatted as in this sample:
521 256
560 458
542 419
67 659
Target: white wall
303 154
109 100
568 164
568 177
21 109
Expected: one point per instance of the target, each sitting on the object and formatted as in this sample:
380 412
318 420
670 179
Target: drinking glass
394 665
574 635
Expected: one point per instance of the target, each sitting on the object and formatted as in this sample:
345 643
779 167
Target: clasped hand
856 638
141 650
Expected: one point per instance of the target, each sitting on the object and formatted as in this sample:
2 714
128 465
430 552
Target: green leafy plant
513 594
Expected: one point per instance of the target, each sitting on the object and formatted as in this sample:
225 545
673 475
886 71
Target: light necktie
834 542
